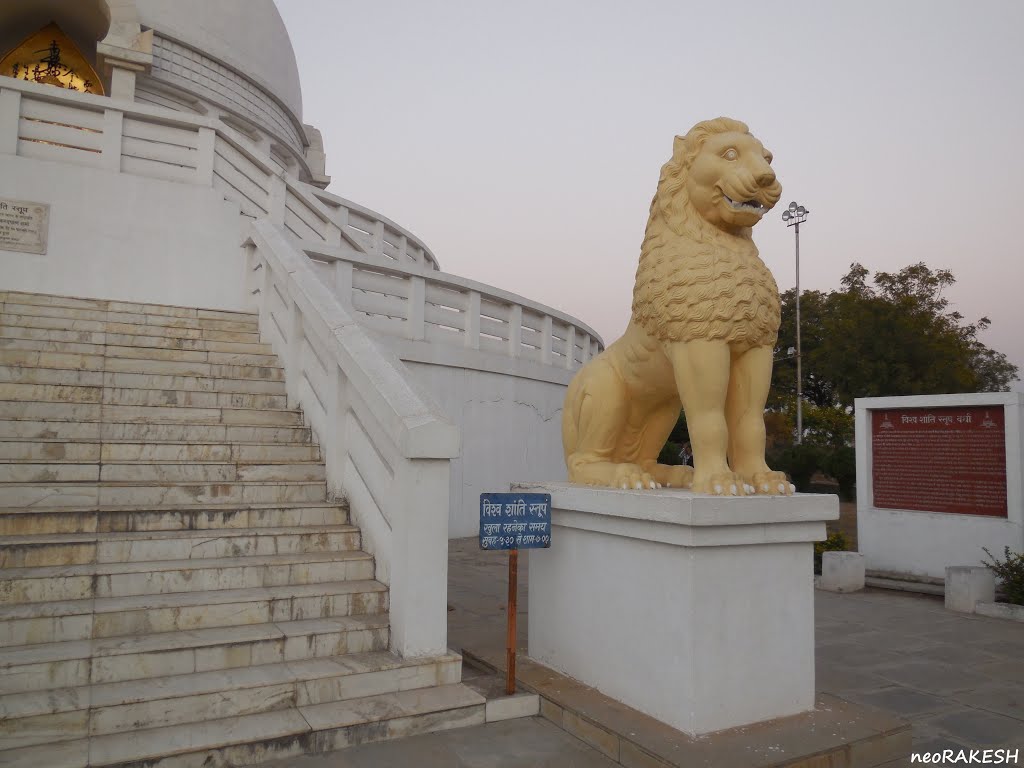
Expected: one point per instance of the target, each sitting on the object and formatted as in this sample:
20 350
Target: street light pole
796 215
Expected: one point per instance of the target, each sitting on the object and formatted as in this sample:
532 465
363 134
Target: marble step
162 701
217 516
73 302
242 323
148 414
67 620
37 550
32 429
255 738
119 494
101 580
139 339
78 361
13 471
64 393
43 449
109 351
58 666
137 381
130 329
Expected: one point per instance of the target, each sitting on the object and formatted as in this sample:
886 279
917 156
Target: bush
836 542
800 462
841 465
1010 573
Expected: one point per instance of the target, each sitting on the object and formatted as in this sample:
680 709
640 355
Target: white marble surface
696 610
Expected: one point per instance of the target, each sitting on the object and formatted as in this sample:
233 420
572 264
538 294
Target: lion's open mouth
746 205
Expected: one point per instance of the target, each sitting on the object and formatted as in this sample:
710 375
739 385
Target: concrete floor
959 679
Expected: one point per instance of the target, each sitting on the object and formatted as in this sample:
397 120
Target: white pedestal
968 585
696 610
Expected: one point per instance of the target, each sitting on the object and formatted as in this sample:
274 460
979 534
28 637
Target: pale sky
522 140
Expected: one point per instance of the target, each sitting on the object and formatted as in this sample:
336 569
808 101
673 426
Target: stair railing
386 448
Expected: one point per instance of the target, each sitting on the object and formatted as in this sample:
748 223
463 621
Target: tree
895 337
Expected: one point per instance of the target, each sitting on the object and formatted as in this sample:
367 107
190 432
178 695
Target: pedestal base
696 610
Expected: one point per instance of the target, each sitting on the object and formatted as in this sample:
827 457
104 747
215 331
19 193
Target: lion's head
720 173
699 275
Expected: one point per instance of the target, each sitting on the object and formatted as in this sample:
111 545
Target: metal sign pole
510 640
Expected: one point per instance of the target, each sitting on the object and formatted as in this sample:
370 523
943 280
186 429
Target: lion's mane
696 281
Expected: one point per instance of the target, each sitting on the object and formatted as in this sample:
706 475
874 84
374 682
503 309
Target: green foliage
1010 572
895 337
827 426
800 462
836 542
840 463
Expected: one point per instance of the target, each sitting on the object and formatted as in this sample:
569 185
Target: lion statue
704 323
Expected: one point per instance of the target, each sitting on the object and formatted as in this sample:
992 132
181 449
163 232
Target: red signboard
940 460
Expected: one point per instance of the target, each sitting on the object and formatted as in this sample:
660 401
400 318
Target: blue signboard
515 520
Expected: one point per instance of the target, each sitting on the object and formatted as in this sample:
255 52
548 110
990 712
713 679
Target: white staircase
176 589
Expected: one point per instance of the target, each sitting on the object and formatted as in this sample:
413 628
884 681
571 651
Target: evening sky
522 140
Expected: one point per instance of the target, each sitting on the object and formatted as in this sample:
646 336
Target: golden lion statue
705 320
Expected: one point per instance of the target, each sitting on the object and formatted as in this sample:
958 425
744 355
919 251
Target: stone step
42 450
37 550
218 516
162 701
100 580
59 666
138 381
31 429
78 361
139 339
254 738
148 414
63 393
60 621
131 329
73 302
239 323
113 494
109 350
156 472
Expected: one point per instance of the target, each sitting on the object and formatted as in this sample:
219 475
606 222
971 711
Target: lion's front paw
720 484
633 477
772 483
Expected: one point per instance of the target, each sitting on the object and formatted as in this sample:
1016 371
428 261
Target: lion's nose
766 178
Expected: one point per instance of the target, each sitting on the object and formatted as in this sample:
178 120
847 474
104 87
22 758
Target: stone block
967 585
509 707
842 571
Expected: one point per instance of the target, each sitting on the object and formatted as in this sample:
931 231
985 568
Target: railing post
205 146
333 442
110 143
10 114
515 331
343 281
570 347
278 195
378 238
419 558
293 354
403 250
473 320
585 354
545 340
416 308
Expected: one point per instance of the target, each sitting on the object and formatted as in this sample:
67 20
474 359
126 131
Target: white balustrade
386 448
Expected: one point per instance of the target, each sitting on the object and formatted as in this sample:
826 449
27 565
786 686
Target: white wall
511 431
126 237
922 544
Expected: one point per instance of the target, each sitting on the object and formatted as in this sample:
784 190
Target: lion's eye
731 154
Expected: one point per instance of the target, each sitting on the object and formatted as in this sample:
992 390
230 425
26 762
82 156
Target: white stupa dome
248 36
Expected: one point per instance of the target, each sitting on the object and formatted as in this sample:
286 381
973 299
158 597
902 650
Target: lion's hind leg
600 408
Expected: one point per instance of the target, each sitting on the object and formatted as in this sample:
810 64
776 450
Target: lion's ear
677 145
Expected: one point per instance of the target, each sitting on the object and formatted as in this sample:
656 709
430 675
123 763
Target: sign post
514 521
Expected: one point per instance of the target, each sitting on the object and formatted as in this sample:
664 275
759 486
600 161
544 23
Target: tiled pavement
958 679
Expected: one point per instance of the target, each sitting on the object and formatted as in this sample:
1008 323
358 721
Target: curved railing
387 275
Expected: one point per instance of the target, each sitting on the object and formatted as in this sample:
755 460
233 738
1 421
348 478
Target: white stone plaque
23 225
